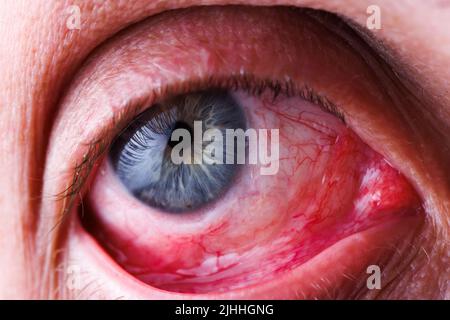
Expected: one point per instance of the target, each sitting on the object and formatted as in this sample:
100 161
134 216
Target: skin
39 56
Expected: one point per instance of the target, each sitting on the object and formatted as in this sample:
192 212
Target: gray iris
141 155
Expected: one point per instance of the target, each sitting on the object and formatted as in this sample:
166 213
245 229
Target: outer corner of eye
248 190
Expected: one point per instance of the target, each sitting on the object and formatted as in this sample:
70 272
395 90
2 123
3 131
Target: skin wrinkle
39 82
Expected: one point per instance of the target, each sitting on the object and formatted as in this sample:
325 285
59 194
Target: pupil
180 125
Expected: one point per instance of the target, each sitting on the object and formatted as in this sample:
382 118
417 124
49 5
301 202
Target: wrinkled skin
39 57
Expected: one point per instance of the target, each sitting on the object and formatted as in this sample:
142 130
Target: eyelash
255 87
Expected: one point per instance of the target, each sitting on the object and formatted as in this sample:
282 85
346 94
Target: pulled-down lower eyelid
147 74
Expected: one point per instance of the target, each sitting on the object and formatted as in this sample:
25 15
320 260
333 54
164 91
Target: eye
329 182
230 151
